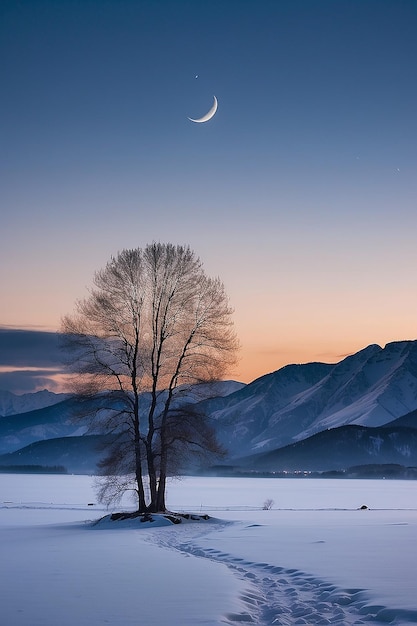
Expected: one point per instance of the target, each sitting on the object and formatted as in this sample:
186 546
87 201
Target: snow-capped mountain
373 389
370 388
12 404
244 420
55 418
17 431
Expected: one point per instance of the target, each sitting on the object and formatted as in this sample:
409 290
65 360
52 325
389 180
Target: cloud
30 360
30 381
29 348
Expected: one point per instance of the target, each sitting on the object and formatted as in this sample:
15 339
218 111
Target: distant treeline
382 471
33 469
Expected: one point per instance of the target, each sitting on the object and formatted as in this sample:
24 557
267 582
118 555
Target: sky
300 193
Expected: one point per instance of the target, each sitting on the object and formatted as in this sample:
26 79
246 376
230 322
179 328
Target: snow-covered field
314 558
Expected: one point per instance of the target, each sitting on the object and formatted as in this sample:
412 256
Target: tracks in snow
287 597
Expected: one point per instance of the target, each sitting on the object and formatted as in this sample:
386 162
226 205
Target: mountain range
369 388
10 403
306 417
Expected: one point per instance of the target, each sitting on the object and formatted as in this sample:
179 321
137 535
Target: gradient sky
300 193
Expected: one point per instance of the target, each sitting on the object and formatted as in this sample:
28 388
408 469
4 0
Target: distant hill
17 431
409 419
78 455
339 449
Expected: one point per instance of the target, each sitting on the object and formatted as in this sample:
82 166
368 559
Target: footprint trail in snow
287 597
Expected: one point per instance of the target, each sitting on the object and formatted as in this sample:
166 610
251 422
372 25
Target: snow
12 404
315 558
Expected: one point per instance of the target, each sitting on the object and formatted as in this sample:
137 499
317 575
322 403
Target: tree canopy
154 328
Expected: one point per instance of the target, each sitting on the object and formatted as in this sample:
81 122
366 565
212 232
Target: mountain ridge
12 404
338 449
373 388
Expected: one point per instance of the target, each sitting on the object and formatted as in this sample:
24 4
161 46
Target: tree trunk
138 465
140 490
161 506
160 502
152 508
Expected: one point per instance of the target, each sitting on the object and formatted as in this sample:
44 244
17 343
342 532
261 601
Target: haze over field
299 193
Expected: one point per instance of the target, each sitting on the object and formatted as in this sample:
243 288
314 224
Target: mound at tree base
131 519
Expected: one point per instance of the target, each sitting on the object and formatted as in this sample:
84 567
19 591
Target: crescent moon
208 115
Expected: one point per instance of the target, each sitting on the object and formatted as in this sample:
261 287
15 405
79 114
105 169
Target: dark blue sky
299 193
92 85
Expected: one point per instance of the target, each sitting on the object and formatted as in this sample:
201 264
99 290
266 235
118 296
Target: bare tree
153 327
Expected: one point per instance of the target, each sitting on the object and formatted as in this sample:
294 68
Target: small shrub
268 504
